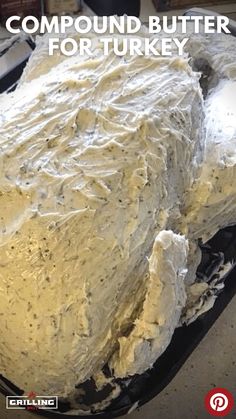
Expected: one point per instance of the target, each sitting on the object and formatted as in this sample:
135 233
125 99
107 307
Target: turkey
112 168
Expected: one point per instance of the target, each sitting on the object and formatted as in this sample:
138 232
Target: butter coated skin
97 153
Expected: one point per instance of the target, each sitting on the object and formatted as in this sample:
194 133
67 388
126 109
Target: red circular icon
219 402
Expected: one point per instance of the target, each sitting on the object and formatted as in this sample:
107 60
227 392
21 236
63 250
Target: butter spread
103 162
164 300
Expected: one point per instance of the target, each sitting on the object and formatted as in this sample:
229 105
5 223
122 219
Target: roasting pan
142 388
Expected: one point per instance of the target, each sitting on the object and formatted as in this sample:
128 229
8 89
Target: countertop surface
212 364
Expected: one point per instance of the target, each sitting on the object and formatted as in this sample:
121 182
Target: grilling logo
219 402
31 402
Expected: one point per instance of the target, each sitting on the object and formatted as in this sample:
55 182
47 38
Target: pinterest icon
219 402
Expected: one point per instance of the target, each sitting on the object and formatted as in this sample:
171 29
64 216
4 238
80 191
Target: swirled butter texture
99 158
